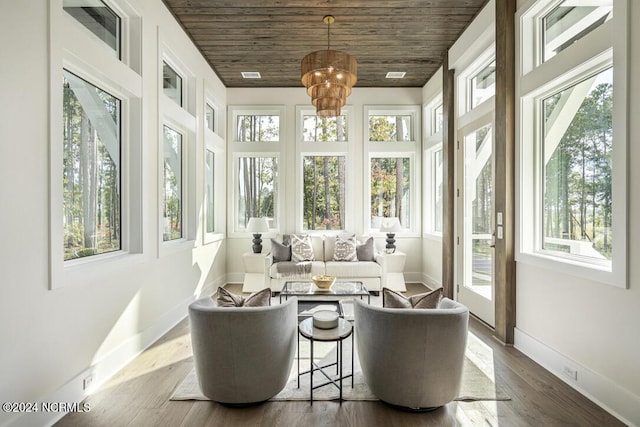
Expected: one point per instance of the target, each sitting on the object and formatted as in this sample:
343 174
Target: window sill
584 270
90 269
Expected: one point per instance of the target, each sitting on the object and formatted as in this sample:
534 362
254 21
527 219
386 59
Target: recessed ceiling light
396 74
251 75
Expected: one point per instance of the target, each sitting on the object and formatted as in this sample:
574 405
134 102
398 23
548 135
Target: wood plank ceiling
272 36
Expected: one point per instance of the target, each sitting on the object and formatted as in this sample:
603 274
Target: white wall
289 98
564 321
51 339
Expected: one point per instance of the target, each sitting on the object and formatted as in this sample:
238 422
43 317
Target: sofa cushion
261 298
345 249
365 250
392 299
301 248
282 269
347 270
280 251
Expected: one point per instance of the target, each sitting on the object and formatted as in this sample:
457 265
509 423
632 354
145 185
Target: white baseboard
234 278
430 282
103 370
619 402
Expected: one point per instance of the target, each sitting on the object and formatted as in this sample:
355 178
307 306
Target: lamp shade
390 225
257 225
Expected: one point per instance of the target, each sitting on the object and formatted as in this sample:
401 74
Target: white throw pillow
301 249
345 249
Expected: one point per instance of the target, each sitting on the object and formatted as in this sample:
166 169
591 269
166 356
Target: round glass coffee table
337 334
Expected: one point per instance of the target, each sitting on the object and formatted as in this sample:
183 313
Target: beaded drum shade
329 76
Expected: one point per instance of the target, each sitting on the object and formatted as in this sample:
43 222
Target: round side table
337 334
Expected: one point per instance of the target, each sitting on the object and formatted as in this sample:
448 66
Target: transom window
483 85
258 128
210 117
324 129
569 21
172 83
91 169
98 18
389 128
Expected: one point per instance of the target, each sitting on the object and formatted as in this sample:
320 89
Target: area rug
476 386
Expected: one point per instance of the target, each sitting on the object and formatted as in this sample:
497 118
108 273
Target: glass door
475 241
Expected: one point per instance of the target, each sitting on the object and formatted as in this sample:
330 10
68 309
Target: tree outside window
172 185
91 169
577 147
258 128
390 128
323 192
257 188
390 195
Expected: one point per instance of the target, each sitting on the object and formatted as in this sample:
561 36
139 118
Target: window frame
595 51
214 142
254 149
432 144
316 148
411 149
395 110
72 50
464 80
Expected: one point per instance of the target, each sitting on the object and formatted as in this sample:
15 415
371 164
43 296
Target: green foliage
577 193
90 179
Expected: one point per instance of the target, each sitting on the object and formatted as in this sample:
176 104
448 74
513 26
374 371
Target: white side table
392 271
254 274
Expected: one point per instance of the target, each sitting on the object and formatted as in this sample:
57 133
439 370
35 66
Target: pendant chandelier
329 76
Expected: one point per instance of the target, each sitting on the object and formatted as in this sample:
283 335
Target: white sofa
370 273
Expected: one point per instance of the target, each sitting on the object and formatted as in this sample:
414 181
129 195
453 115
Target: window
483 85
569 21
324 185
324 129
255 181
209 200
98 18
258 128
172 185
573 119
436 119
576 147
210 117
171 83
257 188
323 180
390 185
91 169
390 128
393 165
436 191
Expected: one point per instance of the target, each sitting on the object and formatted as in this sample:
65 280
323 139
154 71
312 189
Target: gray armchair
412 358
243 355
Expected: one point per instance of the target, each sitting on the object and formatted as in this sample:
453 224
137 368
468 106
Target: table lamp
257 226
390 226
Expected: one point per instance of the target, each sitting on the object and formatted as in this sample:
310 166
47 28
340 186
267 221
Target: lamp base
257 243
391 243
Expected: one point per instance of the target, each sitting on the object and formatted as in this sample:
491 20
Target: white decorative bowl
325 319
323 282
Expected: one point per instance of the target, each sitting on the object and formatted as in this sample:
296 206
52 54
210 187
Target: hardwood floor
139 396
